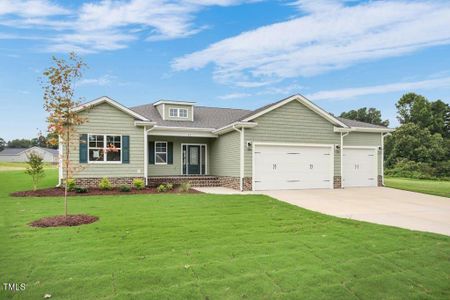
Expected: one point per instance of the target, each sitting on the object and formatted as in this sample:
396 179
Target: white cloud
234 96
108 24
330 36
343 94
100 81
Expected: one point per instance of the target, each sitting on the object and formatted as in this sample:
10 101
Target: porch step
194 180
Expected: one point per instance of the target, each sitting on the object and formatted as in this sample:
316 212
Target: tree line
40 141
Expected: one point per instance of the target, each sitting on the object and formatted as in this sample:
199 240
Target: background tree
35 168
20 143
371 115
2 144
59 102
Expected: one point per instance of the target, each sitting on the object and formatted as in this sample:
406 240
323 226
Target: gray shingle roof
204 117
16 151
353 123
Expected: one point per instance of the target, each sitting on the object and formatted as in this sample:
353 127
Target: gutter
232 126
362 129
342 156
241 156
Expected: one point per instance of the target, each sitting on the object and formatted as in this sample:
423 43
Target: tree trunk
67 145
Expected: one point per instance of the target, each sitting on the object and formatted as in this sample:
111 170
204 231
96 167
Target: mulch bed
57 192
70 220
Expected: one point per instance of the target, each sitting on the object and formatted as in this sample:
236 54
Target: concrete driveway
377 205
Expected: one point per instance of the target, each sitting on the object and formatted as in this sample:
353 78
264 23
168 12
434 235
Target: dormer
175 110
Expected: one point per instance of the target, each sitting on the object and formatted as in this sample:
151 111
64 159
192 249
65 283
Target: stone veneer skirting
115 181
195 181
380 180
337 182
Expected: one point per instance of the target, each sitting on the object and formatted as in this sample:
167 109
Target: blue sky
228 53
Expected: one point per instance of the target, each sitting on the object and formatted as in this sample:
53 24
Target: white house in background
20 154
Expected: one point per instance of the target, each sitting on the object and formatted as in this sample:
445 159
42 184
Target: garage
359 166
290 166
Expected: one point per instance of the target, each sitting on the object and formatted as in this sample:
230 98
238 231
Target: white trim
173 102
341 152
362 129
112 102
241 156
164 111
192 113
305 102
230 127
144 123
145 155
178 113
362 147
104 147
206 158
182 131
167 153
331 146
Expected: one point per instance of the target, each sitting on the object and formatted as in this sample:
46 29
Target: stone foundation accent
115 181
195 181
229 182
380 180
248 182
337 182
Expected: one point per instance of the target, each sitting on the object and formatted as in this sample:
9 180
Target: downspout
382 155
241 158
342 158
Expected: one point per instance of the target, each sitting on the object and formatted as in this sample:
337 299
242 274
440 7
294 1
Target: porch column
145 155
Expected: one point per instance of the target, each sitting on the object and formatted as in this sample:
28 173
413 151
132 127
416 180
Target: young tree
35 168
371 115
59 102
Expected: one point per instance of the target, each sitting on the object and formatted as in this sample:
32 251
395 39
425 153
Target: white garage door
281 167
359 167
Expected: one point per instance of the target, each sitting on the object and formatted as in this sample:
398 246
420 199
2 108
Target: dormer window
178 113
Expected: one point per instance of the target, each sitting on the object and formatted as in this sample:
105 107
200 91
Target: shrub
125 188
169 186
105 184
71 185
138 183
419 170
185 186
161 188
80 190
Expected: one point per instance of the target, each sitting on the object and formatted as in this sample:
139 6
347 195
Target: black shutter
151 153
125 149
83 148
170 153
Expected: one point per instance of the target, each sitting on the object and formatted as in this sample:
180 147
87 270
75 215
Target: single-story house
21 154
289 144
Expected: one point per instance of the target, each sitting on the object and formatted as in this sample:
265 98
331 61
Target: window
160 153
183 113
173 112
178 113
101 144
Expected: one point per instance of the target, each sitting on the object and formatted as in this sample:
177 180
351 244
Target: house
21 154
289 144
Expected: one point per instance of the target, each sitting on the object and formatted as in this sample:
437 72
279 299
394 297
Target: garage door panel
292 167
359 167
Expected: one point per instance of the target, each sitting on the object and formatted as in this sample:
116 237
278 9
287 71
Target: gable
92 104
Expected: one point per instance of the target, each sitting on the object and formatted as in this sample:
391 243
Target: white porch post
145 155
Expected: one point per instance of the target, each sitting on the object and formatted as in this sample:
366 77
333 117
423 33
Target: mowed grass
432 187
210 247
11 166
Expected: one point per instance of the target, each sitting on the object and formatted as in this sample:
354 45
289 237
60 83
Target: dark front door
193 160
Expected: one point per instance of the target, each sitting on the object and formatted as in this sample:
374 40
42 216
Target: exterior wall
291 123
225 155
365 139
106 119
176 168
167 107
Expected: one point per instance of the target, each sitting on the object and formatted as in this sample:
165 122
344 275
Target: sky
341 54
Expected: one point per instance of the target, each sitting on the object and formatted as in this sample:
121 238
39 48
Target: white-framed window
173 112
104 148
183 113
178 113
160 153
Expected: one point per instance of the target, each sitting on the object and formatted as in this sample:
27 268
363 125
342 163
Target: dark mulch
56 192
70 220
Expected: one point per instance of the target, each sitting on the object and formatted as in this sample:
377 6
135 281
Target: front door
194 159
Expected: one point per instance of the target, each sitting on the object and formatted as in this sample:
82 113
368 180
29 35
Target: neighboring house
21 154
289 144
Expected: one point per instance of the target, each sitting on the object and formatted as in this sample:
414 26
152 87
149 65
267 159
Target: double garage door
284 167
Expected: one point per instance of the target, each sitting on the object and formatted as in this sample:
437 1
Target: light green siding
365 139
291 123
175 168
106 119
225 155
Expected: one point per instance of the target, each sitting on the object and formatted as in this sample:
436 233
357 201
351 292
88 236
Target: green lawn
9 166
210 247
432 187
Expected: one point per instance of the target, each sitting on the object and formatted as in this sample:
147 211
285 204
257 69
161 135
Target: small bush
169 186
80 190
125 189
71 185
105 184
161 188
185 187
138 183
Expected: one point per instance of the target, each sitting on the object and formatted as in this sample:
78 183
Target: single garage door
281 167
359 167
